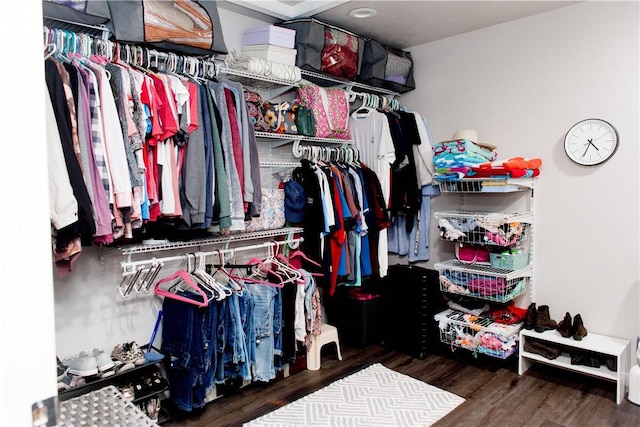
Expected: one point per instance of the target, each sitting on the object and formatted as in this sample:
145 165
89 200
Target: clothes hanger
291 273
231 280
183 277
261 267
218 291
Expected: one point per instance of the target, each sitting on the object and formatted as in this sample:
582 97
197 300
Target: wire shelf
316 77
486 185
102 407
212 241
255 80
100 31
286 137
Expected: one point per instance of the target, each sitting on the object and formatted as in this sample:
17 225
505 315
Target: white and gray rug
374 396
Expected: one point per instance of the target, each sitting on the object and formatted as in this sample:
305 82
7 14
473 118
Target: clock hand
587 149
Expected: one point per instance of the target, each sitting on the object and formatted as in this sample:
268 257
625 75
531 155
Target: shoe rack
592 343
496 215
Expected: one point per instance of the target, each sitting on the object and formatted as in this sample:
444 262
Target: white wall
522 85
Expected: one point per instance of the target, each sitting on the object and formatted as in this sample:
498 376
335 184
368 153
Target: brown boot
579 331
543 320
530 317
564 327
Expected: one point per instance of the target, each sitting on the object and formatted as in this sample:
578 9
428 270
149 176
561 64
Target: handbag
280 118
305 121
472 254
272 213
254 108
330 110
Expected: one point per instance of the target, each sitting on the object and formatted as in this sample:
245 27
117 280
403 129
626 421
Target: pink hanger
186 278
258 261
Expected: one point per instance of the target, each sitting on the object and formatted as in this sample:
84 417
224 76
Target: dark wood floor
495 394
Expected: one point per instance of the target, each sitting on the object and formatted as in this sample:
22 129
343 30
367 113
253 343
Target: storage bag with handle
83 12
186 26
387 68
326 48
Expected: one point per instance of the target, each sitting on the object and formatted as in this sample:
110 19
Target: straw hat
472 135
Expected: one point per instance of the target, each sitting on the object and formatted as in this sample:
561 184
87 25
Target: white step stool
328 334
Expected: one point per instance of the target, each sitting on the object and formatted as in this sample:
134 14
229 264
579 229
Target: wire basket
484 287
483 228
478 333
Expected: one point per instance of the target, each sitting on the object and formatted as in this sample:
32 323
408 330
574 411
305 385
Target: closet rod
130 267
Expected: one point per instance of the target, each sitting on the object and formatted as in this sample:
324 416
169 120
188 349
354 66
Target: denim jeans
204 362
235 355
177 342
265 301
242 368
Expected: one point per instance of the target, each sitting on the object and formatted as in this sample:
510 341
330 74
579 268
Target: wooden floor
495 394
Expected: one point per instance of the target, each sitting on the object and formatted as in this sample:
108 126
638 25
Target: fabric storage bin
84 12
271 35
356 314
190 27
509 261
271 53
326 48
387 68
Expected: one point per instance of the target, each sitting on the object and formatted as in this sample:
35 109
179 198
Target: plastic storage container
272 35
272 53
509 261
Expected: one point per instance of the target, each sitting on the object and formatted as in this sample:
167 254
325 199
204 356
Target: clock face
591 142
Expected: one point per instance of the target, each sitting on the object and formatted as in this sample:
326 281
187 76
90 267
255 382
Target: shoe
611 363
152 409
585 359
83 365
70 381
564 327
104 362
127 392
537 347
128 353
543 321
62 369
530 317
579 331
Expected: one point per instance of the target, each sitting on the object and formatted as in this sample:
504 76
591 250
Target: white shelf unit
492 229
604 345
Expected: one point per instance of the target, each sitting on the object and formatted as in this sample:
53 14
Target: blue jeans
265 324
177 339
235 355
204 344
188 337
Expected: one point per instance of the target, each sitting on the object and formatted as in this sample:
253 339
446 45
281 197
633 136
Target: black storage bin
355 317
409 298
387 68
325 48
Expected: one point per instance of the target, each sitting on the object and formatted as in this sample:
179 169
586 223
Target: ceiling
403 24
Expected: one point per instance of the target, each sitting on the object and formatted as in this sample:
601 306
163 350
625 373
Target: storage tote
509 261
190 27
387 68
84 12
326 48
271 35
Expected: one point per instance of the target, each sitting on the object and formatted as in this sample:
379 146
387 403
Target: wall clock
591 142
